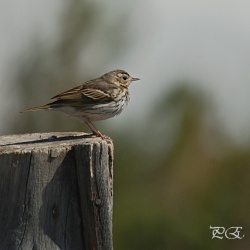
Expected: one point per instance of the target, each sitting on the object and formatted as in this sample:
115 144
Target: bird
94 100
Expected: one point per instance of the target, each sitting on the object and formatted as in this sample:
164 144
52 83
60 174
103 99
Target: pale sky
207 41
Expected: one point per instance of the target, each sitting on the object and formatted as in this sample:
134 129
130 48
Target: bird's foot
104 137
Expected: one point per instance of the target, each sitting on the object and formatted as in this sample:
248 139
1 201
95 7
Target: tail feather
44 107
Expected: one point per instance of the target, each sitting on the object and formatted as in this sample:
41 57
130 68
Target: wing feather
95 94
74 93
94 90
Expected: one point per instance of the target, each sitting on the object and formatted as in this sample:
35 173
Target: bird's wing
95 94
74 93
90 91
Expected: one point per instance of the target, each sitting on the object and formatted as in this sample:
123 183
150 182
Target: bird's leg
95 130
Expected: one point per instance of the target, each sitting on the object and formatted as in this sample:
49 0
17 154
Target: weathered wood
55 191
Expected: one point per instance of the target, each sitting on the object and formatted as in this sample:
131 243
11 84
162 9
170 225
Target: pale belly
96 112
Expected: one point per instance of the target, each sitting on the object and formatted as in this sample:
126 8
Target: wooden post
56 192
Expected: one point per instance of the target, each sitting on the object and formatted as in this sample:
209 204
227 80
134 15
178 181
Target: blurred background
182 146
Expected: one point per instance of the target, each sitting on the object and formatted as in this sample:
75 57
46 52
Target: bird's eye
124 77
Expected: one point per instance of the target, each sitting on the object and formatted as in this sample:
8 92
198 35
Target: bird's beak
135 79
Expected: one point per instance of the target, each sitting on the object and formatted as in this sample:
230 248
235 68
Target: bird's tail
44 107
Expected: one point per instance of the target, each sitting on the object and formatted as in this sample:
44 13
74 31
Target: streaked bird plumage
97 99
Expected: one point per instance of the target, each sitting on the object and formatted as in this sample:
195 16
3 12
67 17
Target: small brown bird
97 99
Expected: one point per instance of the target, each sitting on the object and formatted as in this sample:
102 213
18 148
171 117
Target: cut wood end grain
29 142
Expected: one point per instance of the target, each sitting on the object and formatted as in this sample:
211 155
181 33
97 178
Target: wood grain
56 191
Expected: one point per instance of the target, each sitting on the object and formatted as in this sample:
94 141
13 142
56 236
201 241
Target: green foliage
169 200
